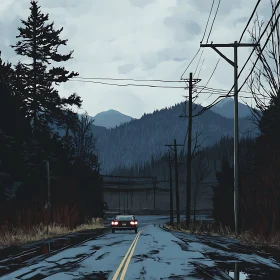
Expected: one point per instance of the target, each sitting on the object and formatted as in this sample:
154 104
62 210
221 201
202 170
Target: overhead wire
190 63
200 67
124 85
262 49
198 63
207 21
256 6
200 42
214 102
213 21
128 79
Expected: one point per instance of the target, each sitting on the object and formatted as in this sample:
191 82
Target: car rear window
125 218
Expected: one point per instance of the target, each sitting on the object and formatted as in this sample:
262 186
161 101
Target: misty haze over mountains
123 141
141 139
113 118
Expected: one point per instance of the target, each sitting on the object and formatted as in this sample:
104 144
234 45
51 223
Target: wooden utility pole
176 180
189 155
234 63
171 190
177 183
191 81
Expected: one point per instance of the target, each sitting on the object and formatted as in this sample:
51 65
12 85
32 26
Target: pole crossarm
230 45
215 46
194 81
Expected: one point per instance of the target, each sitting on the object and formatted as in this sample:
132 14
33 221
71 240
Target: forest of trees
29 106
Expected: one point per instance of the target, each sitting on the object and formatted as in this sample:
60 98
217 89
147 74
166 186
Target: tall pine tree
39 41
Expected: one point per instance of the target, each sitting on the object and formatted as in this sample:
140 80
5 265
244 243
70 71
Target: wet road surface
153 253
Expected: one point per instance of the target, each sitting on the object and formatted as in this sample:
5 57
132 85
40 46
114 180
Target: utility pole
176 180
171 190
191 81
189 159
234 63
177 183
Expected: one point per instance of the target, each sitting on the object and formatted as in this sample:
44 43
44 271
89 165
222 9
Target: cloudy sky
138 39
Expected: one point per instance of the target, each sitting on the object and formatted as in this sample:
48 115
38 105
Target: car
124 222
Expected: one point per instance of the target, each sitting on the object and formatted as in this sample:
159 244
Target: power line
213 21
200 42
267 40
218 89
198 62
124 85
210 90
203 87
200 67
256 6
135 80
190 62
207 21
214 102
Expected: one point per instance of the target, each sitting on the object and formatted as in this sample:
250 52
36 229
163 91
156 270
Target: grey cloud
141 3
151 60
8 36
183 28
123 69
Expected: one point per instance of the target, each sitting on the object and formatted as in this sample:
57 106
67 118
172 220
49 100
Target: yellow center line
128 259
131 249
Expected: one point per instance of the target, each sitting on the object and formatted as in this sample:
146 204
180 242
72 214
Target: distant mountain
111 119
225 108
141 139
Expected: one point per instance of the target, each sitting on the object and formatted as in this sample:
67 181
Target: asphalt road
152 253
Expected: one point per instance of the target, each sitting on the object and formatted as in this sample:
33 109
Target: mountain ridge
141 139
111 118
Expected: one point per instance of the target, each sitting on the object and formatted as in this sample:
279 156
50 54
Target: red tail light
133 223
114 223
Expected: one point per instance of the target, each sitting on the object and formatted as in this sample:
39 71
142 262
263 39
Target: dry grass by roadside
214 229
18 236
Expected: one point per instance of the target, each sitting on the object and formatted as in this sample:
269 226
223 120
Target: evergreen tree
39 41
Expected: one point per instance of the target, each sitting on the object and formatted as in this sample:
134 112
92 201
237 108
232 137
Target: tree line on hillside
127 144
29 106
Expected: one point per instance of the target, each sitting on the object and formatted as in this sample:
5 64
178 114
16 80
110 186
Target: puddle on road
238 275
246 271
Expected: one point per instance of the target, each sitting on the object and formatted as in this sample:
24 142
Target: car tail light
133 222
114 223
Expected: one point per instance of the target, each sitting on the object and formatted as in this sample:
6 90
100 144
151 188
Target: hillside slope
140 139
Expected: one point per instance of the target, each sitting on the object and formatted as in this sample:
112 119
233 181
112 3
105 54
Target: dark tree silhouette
39 41
223 195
